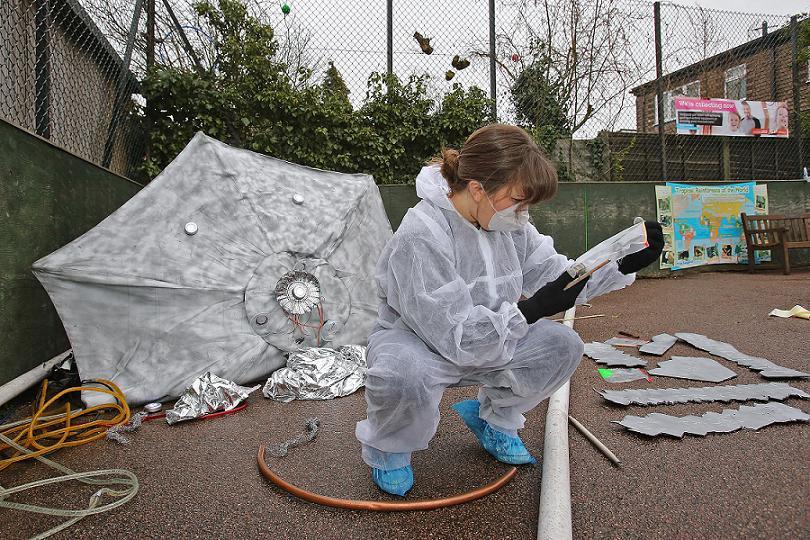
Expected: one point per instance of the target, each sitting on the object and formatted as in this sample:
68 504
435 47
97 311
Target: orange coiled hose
70 428
378 506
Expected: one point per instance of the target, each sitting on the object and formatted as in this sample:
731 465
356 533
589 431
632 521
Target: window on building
735 83
691 89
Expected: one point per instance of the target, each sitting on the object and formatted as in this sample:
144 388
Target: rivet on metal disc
261 319
298 198
299 292
191 228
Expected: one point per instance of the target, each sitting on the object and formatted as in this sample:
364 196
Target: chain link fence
748 58
61 79
580 73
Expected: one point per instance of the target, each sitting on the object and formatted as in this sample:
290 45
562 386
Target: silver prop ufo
224 262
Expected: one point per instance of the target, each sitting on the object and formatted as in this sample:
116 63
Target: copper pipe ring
381 506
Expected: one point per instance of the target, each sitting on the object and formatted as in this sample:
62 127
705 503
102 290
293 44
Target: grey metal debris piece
767 369
608 355
619 375
626 342
693 368
755 417
668 396
660 344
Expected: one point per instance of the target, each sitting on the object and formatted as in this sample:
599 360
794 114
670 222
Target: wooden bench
775 233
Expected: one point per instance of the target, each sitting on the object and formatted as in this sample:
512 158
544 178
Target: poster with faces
731 118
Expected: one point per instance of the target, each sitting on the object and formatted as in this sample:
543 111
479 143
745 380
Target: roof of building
103 47
747 49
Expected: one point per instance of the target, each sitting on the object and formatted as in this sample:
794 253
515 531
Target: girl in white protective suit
464 285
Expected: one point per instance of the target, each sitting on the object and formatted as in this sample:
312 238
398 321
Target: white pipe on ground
554 520
17 386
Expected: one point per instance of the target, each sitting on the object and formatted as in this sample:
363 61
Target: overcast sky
780 7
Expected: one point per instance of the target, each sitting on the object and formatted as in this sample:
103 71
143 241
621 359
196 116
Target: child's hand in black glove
551 298
655 244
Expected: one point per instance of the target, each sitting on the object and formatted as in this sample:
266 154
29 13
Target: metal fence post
390 36
186 44
796 128
493 92
42 81
150 64
120 94
150 34
659 89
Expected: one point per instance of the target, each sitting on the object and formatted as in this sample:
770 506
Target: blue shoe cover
468 411
503 447
395 482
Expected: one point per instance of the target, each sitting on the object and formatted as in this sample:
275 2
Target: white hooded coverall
448 315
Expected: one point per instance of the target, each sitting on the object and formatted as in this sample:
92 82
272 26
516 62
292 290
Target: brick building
759 70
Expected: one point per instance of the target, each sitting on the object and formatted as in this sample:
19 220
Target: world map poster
702 222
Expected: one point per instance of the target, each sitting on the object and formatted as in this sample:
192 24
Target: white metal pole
554 521
17 386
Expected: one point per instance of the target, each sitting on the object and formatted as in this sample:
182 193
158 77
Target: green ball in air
285 9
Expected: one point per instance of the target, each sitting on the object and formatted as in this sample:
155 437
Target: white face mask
508 219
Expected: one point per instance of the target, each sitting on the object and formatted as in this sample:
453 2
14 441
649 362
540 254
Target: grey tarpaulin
668 396
182 278
755 417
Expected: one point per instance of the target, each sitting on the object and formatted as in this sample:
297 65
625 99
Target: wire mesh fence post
120 94
659 89
186 44
150 64
493 91
796 128
774 65
42 103
389 41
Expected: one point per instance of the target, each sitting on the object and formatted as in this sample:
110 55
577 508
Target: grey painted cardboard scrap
660 344
694 369
606 354
754 417
767 369
669 396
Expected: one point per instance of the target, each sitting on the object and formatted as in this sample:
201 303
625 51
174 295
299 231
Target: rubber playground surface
200 478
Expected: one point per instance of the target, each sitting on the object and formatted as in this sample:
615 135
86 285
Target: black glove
551 298
655 245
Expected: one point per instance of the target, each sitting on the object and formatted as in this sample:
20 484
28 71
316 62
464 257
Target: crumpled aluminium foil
116 433
318 373
207 394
